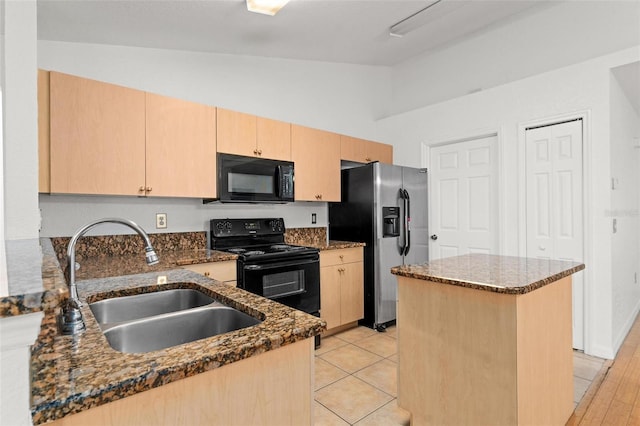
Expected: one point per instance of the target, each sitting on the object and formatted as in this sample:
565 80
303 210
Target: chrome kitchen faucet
70 320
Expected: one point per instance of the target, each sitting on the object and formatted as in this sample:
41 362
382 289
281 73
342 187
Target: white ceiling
346 31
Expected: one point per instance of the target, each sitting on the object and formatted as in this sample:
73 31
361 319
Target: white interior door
464 198
554 203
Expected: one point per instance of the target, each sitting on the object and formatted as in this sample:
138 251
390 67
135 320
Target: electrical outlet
161 220
313 218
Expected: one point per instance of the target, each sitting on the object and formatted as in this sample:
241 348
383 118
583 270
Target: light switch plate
161 220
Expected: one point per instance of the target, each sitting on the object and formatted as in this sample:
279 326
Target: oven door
292 282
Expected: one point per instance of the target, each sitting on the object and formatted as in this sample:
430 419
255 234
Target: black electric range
267 266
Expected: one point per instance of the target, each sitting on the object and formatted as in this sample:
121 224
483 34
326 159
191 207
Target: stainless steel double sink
152 321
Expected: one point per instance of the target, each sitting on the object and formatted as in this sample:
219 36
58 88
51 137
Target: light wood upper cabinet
248 135
44 173
97 137
273 139
111 140
364 151
180 149
236 132
316 154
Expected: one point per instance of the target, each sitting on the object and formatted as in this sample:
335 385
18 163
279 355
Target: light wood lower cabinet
341 286
221 271
273 388
316 155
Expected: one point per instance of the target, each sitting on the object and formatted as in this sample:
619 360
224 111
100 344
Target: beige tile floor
356 383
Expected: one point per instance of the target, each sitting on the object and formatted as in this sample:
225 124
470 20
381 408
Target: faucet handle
71 321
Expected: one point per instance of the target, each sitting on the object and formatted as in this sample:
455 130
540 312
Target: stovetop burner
255 239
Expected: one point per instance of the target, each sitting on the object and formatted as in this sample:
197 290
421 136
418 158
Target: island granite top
70 374
499 274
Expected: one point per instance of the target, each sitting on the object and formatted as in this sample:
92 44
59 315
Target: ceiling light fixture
411 22
266 7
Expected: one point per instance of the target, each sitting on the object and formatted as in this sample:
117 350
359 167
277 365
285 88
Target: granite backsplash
132 244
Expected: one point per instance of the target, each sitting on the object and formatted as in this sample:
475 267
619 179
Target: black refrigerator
385 207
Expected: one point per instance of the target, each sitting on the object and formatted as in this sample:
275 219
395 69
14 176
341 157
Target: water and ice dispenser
390 222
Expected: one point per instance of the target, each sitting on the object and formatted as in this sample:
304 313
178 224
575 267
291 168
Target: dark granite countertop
335 245
112 266
35 280
499 274
71 374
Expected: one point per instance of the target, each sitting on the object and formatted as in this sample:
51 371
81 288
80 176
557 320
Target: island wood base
273 388
471 357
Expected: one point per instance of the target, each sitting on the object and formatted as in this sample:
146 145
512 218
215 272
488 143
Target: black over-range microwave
254 180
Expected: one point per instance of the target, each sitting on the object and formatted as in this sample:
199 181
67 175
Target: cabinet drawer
341 256
221 271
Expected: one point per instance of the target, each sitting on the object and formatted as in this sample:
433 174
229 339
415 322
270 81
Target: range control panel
245 227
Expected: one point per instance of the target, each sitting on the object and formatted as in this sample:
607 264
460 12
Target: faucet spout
70 320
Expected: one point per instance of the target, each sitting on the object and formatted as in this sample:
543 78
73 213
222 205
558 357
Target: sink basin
129 308
160 332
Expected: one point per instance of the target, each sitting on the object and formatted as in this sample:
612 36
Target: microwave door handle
277 182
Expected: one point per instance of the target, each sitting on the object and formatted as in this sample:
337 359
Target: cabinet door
221 271
181 148
44 175
352 292
316 155
236 133
330 279
97 137
273 139
381 152
364 151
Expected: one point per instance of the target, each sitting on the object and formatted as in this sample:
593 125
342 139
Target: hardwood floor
614 396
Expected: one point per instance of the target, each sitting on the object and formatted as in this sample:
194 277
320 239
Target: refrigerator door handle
403 245
407 213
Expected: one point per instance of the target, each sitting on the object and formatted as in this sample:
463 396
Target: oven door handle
254 267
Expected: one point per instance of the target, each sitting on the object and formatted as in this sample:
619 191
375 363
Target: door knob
434 237
543 248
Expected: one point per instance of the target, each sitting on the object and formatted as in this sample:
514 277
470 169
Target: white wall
625 209
20 120
556 35
62 215
580 87
336 97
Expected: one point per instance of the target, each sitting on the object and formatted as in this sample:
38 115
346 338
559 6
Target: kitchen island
485 339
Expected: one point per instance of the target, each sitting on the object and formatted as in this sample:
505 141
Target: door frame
425 160
587 216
